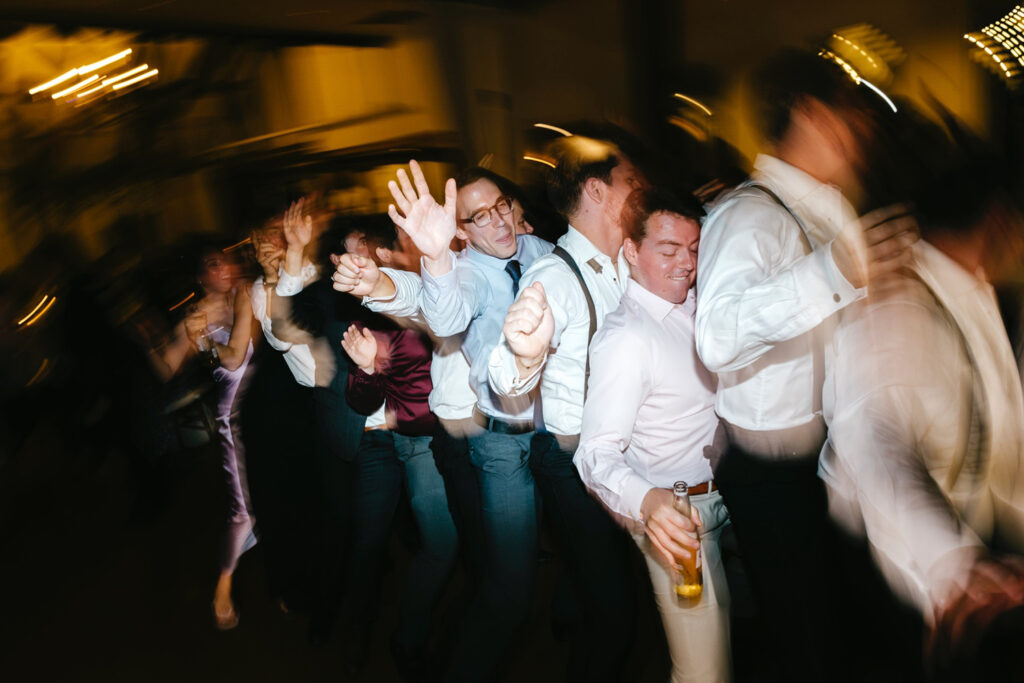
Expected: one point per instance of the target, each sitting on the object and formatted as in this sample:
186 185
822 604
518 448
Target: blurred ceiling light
182 302
76 87
690 127
133 81
56 81
548 126
126 74
868 50
89 68
1000 46
84 95
38 306
39 372
856 77
696 103
41 313
539 160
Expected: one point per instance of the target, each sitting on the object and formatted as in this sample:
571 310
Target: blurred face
355 243
625 178
217 273
404 257
498 239
665 261
523 226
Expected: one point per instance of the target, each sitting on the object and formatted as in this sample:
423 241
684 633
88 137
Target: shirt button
836 298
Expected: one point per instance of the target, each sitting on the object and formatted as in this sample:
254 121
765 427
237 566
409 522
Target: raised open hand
354 274
529 326
298 225
429 225
361 347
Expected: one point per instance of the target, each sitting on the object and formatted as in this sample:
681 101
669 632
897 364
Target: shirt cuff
820 282
288 284
504 374
434 287
634 490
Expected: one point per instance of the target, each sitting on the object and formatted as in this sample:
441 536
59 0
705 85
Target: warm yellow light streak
548 126
39 372
126 74
527 157
89 68
228 250
76 87
56 81
183 301
83 95
38 306
696 103
41 313
132 81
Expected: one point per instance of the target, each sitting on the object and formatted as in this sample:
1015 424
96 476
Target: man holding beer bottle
648 441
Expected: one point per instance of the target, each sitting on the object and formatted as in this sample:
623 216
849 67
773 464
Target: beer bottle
687 574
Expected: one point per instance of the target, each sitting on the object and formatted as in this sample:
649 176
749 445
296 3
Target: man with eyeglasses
469 295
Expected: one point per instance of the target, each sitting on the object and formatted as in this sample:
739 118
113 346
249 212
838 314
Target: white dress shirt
298 357
761 296
649 420
452 397
473 298
899 403
561 374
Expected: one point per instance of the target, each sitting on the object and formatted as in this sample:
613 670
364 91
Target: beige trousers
698 636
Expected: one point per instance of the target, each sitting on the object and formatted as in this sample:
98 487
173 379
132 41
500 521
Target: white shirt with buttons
763 301
561 373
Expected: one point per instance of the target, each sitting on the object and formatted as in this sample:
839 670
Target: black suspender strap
564 255
818 353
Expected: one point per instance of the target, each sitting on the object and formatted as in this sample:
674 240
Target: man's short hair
577 159
781 81
470 175
642 204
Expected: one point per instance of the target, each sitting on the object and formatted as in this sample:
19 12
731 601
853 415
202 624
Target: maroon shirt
401 380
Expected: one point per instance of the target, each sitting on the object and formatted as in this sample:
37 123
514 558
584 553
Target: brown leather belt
373 429
699 489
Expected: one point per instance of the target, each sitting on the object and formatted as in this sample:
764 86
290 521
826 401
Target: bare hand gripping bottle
687 575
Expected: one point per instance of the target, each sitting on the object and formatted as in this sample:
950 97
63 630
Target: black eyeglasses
482 218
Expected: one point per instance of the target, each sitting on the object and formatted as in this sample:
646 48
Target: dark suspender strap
571 262
818 351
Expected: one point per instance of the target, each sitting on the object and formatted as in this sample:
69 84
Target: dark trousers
383 461
779 513
451 454
276 425
595 551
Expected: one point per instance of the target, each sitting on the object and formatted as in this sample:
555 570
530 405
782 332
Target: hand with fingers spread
529 327
361 347
359 276
429 225
298 232
887 236
671 534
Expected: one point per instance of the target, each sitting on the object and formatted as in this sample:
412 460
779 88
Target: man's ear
595 189
631 250
462 234
384 255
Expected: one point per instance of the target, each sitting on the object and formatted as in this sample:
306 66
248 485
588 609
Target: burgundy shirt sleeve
401 379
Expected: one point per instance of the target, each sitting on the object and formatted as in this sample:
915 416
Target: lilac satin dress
238 535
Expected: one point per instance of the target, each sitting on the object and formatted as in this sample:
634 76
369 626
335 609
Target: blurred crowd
815 368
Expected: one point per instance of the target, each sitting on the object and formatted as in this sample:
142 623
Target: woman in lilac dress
219 327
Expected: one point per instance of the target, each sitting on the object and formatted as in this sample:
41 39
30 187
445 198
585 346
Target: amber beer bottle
687 575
